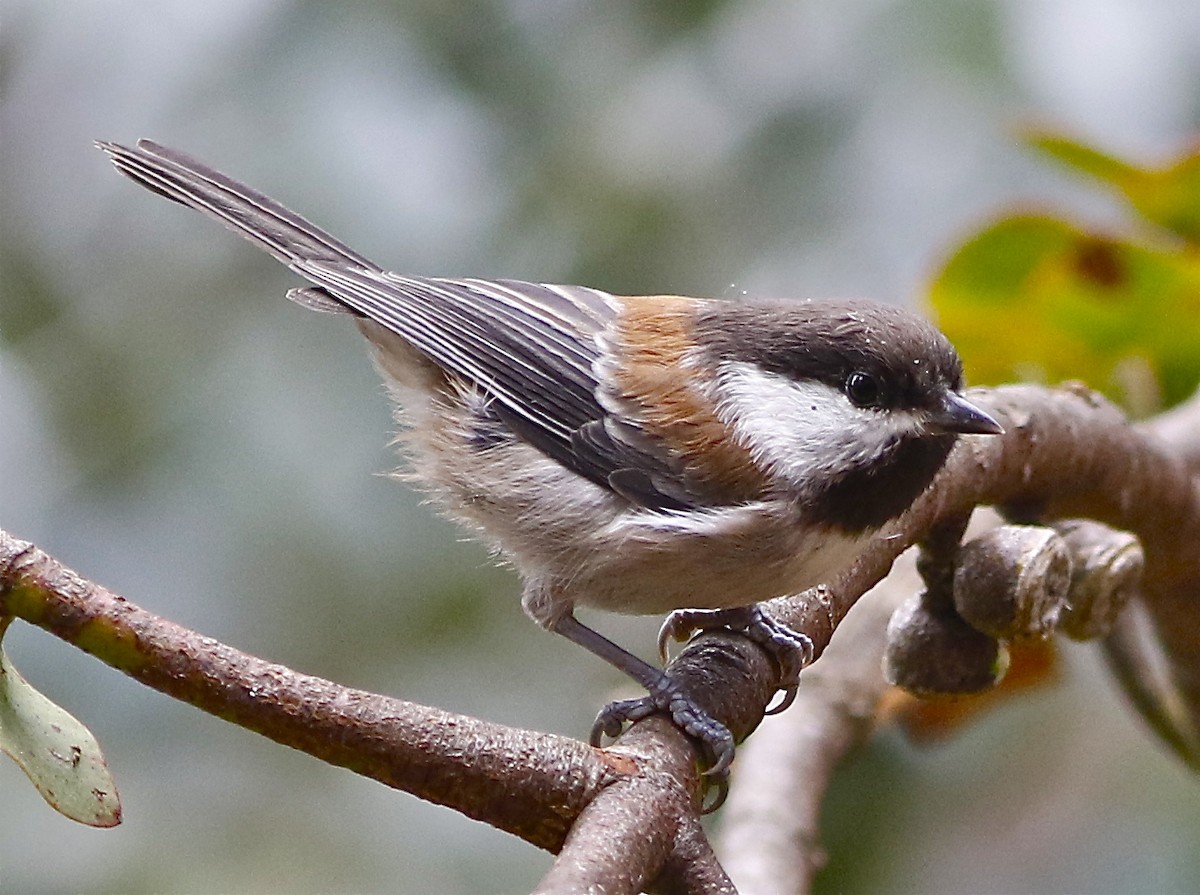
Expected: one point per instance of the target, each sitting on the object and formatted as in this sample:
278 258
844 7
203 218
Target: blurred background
175 430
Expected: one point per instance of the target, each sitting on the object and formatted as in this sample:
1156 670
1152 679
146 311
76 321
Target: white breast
575 542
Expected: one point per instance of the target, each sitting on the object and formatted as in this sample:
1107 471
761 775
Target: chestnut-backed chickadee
639 455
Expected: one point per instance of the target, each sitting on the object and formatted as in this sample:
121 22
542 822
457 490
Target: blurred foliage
1167 196
1044 298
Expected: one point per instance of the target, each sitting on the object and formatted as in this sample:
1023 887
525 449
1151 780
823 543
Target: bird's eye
863 389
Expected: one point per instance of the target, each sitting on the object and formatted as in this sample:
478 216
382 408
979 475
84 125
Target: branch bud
1013 581
1106 573
931 651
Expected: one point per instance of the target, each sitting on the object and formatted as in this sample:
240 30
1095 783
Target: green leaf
1168 197
58 754
1082 157
1036 298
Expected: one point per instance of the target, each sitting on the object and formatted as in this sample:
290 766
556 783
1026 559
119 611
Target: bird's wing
531 348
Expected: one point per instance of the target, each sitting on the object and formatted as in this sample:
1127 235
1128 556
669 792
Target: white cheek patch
800 429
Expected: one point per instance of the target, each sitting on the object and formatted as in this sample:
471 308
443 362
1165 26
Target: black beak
958 416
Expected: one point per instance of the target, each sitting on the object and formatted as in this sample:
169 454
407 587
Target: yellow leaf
1036 298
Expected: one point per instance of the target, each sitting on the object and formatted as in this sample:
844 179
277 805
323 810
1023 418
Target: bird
636 454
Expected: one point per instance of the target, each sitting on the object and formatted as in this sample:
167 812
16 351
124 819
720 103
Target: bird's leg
665 695
790 650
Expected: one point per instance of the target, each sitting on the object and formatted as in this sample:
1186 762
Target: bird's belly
576 543
756 553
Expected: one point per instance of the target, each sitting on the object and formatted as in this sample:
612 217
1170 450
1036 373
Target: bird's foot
667 697
790 650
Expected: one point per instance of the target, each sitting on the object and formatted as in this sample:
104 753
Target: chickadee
634 454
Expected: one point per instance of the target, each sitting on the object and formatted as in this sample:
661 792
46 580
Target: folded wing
531 348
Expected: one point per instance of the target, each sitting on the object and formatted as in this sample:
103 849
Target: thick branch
770 839
531 784
1180 428
1065 454
770 835
620 840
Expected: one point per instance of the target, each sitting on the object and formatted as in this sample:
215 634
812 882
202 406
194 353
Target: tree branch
770 838
1180 428
531 784
1066 454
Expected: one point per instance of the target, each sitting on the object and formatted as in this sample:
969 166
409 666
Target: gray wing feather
532 347
537 370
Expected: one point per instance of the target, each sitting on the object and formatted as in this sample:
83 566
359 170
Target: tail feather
271 226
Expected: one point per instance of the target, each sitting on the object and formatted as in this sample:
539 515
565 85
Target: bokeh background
176 431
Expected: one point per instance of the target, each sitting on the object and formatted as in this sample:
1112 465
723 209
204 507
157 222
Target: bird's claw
614 716
677 626
790 650
685 714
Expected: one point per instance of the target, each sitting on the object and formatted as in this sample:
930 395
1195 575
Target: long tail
269 225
